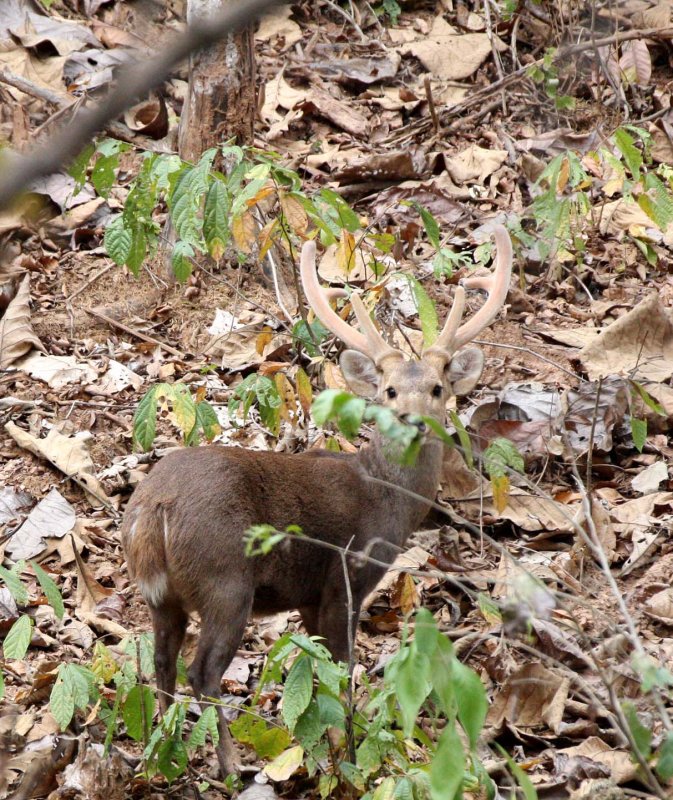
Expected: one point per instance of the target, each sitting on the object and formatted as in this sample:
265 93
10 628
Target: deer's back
184 527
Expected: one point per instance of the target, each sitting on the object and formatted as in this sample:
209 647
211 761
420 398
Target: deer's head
377 371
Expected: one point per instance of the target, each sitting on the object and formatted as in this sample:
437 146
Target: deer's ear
465 370
360 373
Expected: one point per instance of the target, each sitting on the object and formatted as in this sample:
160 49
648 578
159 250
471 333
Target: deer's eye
437 390
392 393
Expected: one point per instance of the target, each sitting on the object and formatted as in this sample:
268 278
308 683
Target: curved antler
370 342
496 284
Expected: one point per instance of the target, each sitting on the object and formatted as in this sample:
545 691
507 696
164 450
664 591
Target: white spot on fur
154 588
132 530
165 527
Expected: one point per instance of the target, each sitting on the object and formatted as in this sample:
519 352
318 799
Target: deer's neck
420 479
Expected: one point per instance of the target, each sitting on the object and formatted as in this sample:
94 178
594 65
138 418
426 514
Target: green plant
390 9
404 739
500 455
561 207
547 74
262 391
192 417
445 259
17 638
639 426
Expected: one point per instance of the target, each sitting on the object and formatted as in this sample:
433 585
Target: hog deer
183 532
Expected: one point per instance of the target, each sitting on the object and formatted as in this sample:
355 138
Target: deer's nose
413 419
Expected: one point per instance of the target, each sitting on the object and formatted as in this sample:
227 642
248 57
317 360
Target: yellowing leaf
500 486
243 229
288 401
304 390
345 252
294 213
286 764
261 194
564 172
262 340
266 238
405 594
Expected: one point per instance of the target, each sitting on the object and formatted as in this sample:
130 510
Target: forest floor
459 111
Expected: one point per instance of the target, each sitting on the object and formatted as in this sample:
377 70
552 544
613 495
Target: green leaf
639 433
404 789
312 648
172 759
647 398
301 335
332 712
443 684
137 250
50 590
145 420
180 260
138 708
471 701
427 313
632 155
463 438
207 421
263 390
103 173
658 202
61 704
331 676
642 736
14 584
425 632
430 224
347 409
298 691
216 219
501 453
346 217
272 742
370 754
2 685
78 167
79 681
206 724
309 727
448 765
117 240
412 687
664 767
18 637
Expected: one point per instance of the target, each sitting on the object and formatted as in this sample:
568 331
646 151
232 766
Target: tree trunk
221 102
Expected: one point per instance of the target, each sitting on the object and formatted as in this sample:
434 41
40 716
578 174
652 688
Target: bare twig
431 105
133 332
91 280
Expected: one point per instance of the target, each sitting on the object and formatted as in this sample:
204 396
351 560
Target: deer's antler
370 342
496 284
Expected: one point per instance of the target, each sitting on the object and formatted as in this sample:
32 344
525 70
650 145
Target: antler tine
379 349
371 343
444 343
497 286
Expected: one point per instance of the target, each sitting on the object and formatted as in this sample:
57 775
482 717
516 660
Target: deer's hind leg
222 628
169 621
